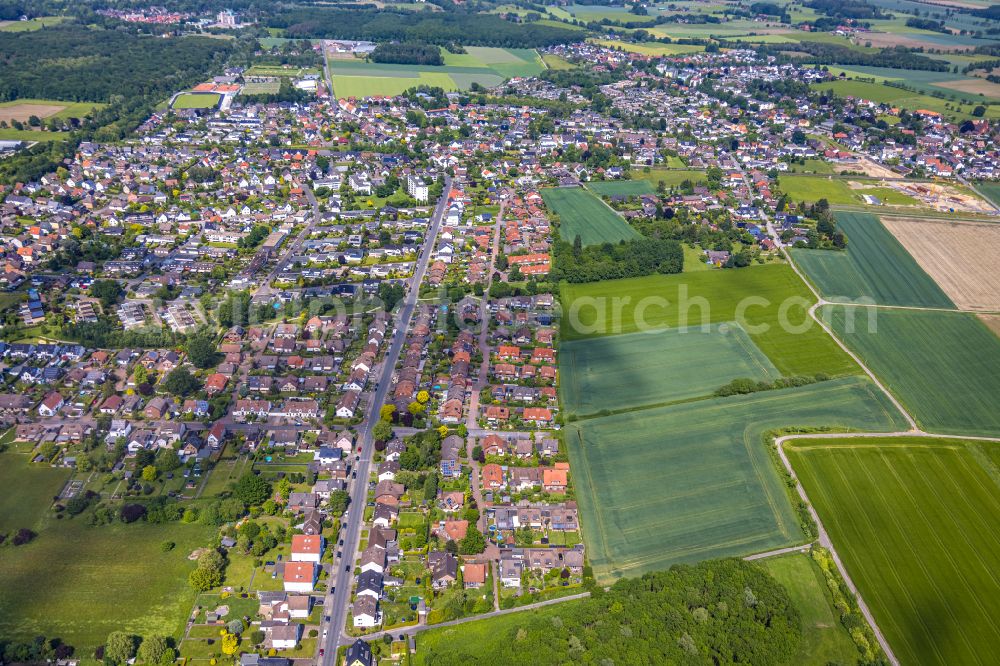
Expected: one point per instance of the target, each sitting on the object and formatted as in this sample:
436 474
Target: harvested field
974 86
992 322
22 111
962 257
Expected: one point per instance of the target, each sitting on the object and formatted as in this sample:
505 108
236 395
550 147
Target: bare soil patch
871 168
21 112
973 86
962 257
943 197
890 39
992 322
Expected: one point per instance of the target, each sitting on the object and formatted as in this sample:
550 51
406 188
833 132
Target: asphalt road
265 290
340 581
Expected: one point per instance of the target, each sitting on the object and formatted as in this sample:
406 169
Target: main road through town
340 579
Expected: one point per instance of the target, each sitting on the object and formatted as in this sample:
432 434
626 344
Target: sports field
584 215
623 371
620 187
875 266
487 66
813 188
941 365
917 523
760 298
695 481
196 101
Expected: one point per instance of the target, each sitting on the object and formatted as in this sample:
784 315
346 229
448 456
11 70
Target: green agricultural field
941 365
582 214
695 481
875 266
10 134
813 188
616 372
196 101
824 639
620 187
906 99
758 297
79 583
991 190
487 66
31 24
651 48
915 521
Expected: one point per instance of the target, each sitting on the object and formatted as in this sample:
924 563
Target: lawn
11 134
27 490
875 266
196 101
941 365
620 187
616 372
695 481
79 583
670 177
760 298
916 523
583 214
814 188
824 639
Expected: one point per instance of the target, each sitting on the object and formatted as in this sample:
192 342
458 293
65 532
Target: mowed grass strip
941 365
875 266
824 639
813 188
584 215
917 524
760 298
695 481
624 371
620 187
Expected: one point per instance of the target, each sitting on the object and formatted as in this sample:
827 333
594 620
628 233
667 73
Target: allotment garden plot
625 371
583 214
695 481
875 266
943 366
760 298
917 523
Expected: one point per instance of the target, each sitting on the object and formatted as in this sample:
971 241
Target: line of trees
407 53
609 261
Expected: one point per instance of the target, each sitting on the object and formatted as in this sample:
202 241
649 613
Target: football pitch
584 215
875 266
915 521
695 481
623 371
